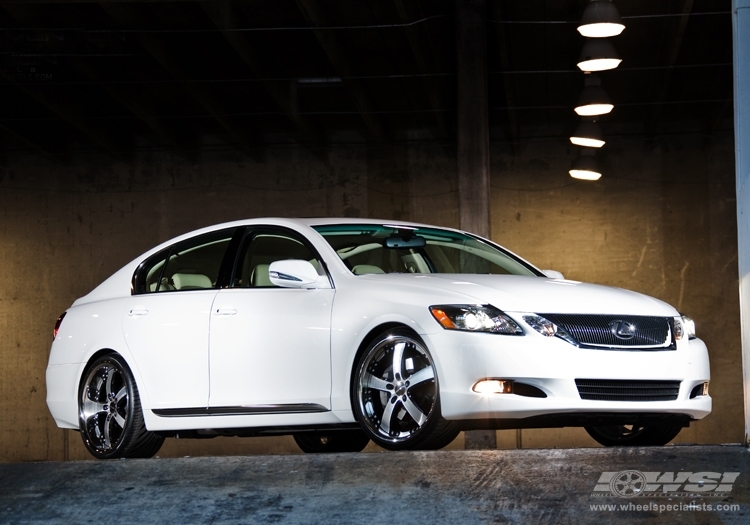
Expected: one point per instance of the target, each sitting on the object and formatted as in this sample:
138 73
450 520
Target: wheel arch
369 338
432 431
133 439
93 357
128 359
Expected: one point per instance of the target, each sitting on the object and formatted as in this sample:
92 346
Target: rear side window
190 265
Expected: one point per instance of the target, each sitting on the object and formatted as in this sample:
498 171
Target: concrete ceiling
120 77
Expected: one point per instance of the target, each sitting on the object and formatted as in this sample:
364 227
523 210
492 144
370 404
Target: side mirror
293 273
552 274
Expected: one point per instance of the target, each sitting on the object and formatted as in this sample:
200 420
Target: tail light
57 325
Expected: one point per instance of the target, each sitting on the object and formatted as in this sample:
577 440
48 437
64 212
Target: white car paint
215 348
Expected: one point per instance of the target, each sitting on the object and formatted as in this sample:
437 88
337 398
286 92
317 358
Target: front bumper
552 365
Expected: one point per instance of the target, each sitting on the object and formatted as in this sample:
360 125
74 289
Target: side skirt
246 410
209 433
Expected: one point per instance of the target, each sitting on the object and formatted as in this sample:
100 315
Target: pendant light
593 100
600 20
585 167
588 134
598 55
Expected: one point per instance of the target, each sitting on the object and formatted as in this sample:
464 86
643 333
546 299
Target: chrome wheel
109 412
396 394
104 406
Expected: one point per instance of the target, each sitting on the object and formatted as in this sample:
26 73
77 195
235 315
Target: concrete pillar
473 125
473 140
741 29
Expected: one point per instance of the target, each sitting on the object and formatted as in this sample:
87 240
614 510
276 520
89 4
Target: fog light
699 390
493 386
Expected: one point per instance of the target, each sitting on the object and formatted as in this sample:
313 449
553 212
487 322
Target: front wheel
633 435
109 412
395 394
329 442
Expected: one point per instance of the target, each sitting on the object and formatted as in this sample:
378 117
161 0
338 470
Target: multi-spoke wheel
333 441
633 435
109 412
395 394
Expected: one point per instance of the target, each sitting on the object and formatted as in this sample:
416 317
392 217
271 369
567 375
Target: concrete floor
497 486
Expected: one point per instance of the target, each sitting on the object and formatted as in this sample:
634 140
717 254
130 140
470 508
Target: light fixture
598 55
585 167
588 134
493 386
319 80
593 100
600 19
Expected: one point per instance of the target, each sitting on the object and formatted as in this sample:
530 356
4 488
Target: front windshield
374 248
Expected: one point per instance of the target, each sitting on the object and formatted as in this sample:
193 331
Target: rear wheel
334 441
633 435
395 394
109 412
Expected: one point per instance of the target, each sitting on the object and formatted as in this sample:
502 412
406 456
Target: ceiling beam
671 57
70 112
425 64
11 2
30 143
64 109
128 16
131 99
225 18
316 16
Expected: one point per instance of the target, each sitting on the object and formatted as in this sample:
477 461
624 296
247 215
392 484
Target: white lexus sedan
341 331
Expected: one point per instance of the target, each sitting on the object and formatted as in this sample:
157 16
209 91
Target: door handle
225 311
137 312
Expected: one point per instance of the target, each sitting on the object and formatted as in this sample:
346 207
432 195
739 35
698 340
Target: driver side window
262 248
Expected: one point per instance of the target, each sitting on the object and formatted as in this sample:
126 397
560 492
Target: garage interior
125 124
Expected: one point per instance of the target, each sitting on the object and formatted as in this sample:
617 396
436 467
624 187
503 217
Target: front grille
601 331
626 390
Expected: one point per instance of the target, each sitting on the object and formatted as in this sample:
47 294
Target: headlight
474 318
684 326
547 328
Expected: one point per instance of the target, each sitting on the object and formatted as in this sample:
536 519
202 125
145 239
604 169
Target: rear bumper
62 386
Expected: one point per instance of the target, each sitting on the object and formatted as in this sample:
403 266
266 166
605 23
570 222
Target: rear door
166 321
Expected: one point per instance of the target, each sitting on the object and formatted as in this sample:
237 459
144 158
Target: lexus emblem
622 330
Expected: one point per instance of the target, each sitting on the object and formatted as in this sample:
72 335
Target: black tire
633 435
329 442
395 394
109 412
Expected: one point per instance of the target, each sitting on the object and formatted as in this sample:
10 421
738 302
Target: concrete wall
661 221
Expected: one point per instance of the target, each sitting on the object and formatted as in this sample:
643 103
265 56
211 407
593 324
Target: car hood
515 293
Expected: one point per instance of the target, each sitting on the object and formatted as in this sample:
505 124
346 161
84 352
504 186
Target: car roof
325 221
310 222
120 280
